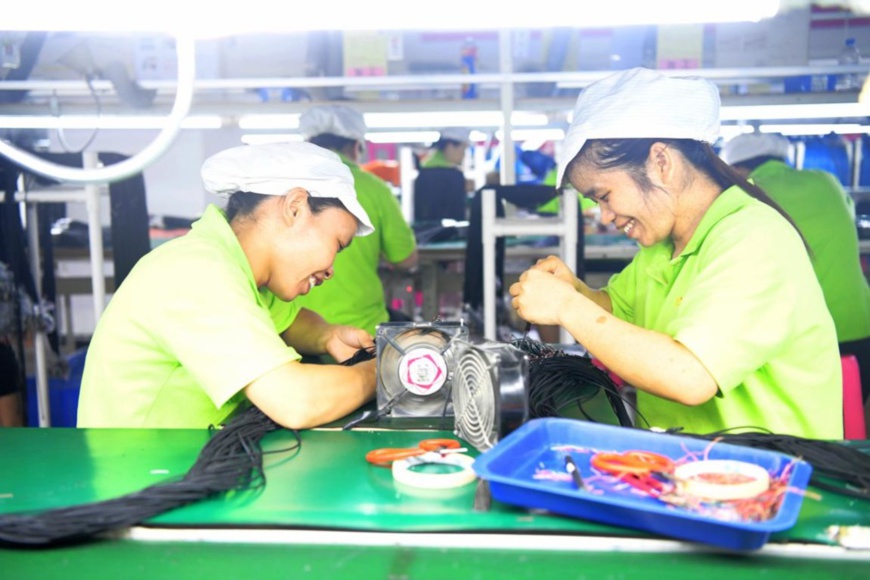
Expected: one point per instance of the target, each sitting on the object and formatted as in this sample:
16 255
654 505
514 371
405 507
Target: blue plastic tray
511 465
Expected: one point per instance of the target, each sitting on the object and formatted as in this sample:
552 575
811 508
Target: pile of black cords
840 467
232 460
558 380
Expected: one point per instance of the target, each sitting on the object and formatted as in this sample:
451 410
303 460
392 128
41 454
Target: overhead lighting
255 139
816 129
541 135
105 122
269 122
796 111
402 137
439 120
227 19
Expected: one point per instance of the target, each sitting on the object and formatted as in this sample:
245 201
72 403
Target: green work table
325 511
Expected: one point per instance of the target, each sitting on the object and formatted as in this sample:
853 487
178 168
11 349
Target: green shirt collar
213 225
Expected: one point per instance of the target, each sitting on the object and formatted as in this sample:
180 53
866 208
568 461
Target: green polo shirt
437 159
743 298
183 335
354 296
825 214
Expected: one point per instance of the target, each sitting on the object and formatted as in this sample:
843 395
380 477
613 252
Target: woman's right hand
554 265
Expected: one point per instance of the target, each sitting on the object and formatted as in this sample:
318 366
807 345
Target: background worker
718 320
355 296
207 322
825 214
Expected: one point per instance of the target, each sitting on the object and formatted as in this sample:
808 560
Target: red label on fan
423 371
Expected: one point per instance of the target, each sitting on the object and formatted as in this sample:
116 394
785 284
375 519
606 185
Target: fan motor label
423 371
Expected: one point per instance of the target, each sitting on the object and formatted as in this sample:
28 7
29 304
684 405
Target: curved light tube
185 49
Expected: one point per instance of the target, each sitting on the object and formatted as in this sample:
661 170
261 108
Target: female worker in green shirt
206 323
718 321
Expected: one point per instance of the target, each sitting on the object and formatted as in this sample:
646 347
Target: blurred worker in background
355 296
718 320
449 151
825 214
208 321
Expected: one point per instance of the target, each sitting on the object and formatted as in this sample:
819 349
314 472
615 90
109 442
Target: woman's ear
661 162
293 204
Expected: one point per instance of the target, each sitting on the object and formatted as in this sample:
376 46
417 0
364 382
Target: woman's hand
541 296
342 342
554 265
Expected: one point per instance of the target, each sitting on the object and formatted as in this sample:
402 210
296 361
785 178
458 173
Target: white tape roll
721 479
403 473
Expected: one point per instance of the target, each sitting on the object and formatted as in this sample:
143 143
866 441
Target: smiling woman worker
718 321
206 321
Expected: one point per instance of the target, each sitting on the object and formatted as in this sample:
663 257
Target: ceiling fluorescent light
816 129
269 122
227 19
254 139
402 137
438 120
520 135
796 111
105 122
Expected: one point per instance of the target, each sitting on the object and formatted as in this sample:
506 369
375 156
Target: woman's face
455 153
304 256
644 216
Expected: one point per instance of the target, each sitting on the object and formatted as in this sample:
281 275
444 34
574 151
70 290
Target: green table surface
327 486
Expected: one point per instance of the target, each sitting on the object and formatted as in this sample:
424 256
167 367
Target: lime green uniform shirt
183 335
437 159
825 214
354 296
743 298
554 205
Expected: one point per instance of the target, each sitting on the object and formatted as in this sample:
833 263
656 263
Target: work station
409 297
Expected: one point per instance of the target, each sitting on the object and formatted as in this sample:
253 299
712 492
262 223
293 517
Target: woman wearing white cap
207 321
356 295
448 150
718 321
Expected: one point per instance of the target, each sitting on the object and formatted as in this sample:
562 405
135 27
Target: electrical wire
232 460
558 380
837 467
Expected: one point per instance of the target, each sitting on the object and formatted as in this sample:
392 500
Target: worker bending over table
355 296
206 322
719 320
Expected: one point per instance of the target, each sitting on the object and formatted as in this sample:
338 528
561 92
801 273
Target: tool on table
644 470
572 469
385 456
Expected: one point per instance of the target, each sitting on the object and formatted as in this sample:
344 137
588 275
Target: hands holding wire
343 342
543 291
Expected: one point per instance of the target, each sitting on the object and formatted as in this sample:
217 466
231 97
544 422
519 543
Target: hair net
455 134
641 103
276 168
751 145
335 120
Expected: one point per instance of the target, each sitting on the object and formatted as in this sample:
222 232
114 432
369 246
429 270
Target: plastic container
511 465
63 394
849 56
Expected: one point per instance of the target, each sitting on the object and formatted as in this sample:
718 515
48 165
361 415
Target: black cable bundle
837 467
558 380
231 460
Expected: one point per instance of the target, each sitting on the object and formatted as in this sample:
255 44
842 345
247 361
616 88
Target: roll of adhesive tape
721 479
403 472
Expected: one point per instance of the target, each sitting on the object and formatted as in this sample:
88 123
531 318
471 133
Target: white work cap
640 103
335 120
749 145
276 168
457 134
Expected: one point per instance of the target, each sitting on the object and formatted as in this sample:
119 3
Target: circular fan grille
413 368
474 400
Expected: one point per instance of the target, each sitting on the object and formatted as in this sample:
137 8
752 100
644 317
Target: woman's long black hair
630 155
243 203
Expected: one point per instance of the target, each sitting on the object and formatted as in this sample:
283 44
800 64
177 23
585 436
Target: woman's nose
328 274
606 216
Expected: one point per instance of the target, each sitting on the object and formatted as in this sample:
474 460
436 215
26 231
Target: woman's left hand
343 342
540 297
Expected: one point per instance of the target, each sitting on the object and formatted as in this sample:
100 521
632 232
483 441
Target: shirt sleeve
220 330
397 237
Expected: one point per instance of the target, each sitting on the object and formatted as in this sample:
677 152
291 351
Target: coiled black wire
558 380
231 460
839 467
